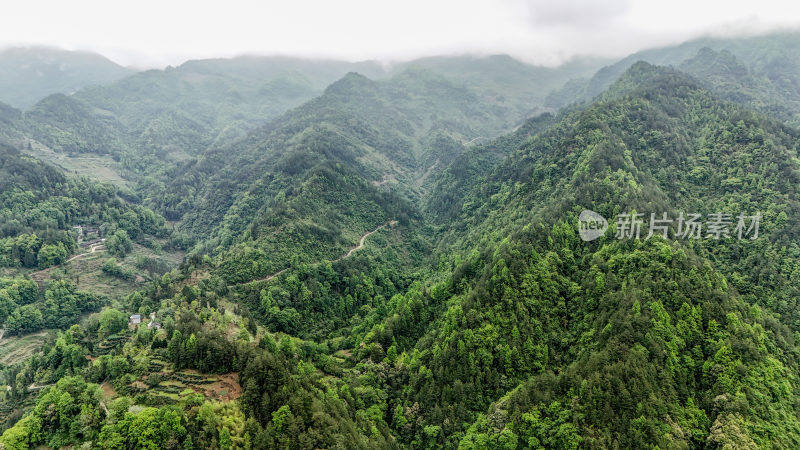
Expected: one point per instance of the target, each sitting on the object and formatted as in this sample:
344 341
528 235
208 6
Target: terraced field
171 385
14 349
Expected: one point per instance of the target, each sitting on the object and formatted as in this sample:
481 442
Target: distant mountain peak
352 82
28 74
9 113
709 62
643 75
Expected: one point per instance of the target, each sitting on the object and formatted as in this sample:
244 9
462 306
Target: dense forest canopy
278 253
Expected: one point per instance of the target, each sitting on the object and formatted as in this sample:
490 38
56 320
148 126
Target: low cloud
153 33
576 13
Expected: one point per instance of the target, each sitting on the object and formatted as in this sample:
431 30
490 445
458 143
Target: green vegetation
16 349
362 272
40 206
29 74
759 72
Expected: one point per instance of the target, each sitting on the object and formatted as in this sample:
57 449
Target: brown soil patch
108 390
227 389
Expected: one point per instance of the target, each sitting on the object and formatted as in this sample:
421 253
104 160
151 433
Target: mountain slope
304 189
772 90
363 276
505 80
178 113
540 339
389 133
759 72
29 74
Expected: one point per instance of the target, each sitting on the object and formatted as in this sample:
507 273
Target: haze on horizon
153 34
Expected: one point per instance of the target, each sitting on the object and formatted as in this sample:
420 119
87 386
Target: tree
25 318
61 305
191 348
23 435
225 442
119 243
112 321
50 255
176 349
156 429
7 305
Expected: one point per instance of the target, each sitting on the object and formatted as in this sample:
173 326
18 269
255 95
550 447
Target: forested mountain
28 74
389 132
613 362
760 72
177 114
393 257
505 80
304 189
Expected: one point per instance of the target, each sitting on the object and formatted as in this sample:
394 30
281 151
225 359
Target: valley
275 252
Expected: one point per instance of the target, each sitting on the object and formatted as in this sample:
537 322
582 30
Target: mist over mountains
275 252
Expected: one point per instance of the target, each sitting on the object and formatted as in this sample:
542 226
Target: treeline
23 309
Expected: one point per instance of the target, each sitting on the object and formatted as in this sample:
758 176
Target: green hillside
313 254
28 74
759 72
644 341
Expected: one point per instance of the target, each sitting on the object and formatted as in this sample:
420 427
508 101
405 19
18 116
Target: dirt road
346 255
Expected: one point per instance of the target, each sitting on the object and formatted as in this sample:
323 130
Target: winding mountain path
39 275
266 278
364 238
94 248
345 256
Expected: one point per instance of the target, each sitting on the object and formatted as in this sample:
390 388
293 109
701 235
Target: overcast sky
153 33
